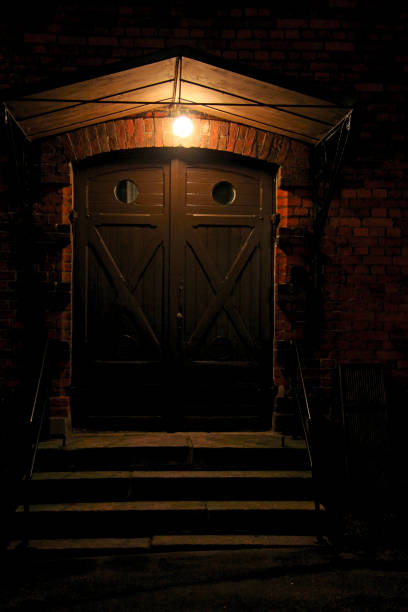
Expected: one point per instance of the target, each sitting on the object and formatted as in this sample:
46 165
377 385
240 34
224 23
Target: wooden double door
173 308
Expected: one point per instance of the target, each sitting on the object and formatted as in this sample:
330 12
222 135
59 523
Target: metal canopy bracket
325 165
24 167
326 162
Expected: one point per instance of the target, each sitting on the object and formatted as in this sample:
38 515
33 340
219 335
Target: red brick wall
335 44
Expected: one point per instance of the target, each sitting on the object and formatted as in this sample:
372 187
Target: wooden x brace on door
222 288
125 296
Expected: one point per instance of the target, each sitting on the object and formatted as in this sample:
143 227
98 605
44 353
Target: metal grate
364 404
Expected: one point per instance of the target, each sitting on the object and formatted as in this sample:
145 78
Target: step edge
44 476
171 505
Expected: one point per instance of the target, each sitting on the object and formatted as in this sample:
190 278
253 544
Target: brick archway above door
154 130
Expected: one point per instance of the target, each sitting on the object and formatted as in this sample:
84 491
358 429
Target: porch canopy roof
181 76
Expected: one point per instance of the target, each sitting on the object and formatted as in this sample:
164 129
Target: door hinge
73 216
275 219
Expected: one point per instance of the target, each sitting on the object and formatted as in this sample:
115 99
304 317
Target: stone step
173 542
145 485
140 518
212 450
170 484
184 423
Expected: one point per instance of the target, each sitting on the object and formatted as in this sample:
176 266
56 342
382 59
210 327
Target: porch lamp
182 124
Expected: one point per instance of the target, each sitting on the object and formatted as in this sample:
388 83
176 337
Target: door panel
130 317
209 258
173 274
228 265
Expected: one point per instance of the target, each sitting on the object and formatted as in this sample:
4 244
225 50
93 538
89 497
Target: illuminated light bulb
182 126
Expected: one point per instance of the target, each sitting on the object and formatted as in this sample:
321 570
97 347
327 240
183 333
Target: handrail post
26 512
26 483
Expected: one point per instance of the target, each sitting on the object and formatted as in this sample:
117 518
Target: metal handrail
34 428
304 415
34 409
306 422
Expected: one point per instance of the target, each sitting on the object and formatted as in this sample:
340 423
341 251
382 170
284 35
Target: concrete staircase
150 490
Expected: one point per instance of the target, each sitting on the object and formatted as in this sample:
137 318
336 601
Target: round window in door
224 193
126 191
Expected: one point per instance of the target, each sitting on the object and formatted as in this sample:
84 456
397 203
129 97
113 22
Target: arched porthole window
224 193
126 191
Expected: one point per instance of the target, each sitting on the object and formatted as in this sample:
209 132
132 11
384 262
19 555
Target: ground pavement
293 578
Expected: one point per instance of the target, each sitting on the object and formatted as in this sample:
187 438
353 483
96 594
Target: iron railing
305 415
302 401
34 426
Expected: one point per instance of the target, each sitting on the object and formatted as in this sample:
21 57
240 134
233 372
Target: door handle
179 317
180 323
180 296
180 336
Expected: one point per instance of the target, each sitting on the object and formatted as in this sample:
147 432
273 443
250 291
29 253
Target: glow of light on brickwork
182 126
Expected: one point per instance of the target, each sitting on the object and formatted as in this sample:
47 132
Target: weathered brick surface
337 44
